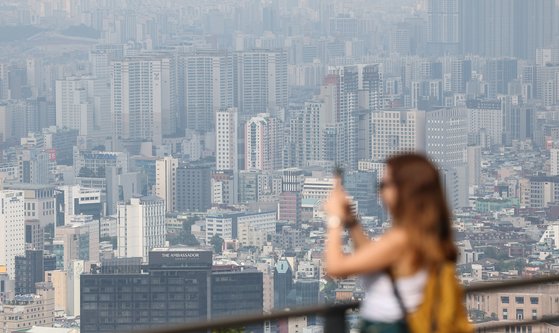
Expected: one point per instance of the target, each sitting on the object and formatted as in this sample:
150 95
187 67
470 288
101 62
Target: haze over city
166 162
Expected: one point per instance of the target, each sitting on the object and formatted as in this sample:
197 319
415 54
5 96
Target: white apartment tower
208 87
165 180
12 228
143 98
262 81
262 143
227 123
73 109
554 162
140 226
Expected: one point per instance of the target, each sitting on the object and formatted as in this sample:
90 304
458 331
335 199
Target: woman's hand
338 203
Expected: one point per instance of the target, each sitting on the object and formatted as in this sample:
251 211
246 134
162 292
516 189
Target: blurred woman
397 266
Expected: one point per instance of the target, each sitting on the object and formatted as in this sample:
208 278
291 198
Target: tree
217 243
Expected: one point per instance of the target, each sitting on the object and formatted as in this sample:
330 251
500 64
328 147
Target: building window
519 314
519 300
505 299
534 314
534 300
505 314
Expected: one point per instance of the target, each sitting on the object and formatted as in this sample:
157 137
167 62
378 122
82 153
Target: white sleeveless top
380 303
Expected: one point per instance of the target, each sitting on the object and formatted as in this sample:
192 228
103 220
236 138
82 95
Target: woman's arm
357 234
370 258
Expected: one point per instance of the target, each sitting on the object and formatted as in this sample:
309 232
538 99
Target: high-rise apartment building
12 228
260 81
73 108
140 226
507 28
143 98
227 139
165 181
263 138
461 73
499 73
208 87
444 25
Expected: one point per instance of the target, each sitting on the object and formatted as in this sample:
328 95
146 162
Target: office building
254 229
61 142
223 188
156 298
33 166
80 239
76 200
517 304
143 98
306 292
236 292
261 81
165 181
39 202
28 311
485 118
362 186
249 185
58 280
140 226
94 164
30 270
208 87
283 284
193 189
251 229
397 131
73 286
542 191
12 228
34 235
474 165
446 140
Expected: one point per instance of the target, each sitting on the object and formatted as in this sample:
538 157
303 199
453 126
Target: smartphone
339 172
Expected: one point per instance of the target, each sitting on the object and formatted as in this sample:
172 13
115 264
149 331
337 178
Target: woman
419 240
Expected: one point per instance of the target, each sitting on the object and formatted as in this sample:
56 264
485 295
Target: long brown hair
421 208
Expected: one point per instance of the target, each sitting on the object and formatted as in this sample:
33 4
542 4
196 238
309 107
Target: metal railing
335 314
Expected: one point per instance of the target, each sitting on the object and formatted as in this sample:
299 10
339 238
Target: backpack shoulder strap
397 294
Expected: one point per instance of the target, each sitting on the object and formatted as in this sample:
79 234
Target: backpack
442 309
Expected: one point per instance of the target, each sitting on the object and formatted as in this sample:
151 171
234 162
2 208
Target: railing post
335 321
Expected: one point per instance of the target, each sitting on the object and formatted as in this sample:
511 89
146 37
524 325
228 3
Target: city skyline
163 162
